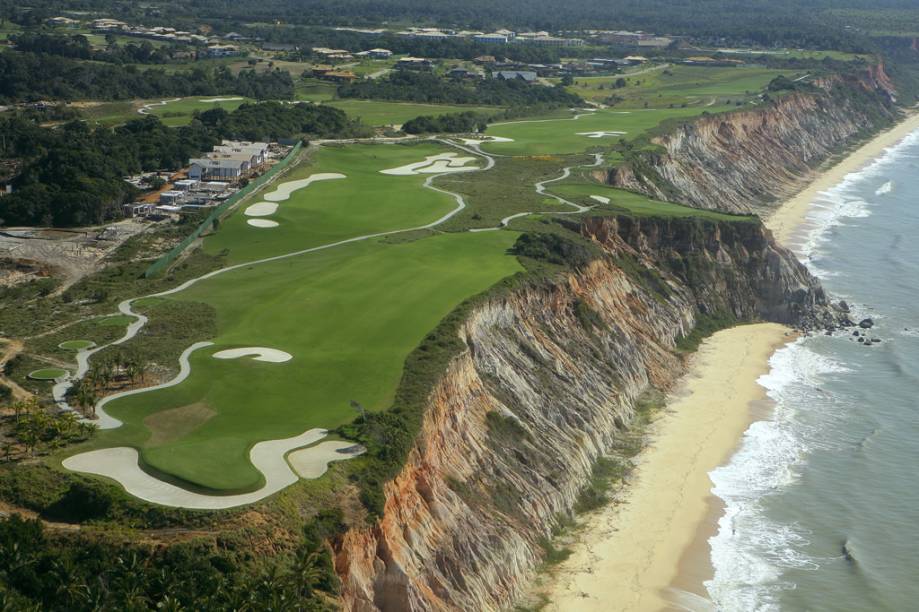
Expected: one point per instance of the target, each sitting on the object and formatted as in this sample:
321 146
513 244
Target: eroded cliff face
545 386
748 161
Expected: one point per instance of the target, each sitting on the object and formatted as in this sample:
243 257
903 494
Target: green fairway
363 203
48 374
635 203
349 316
679 84
562 136
76 345
180 112
373 112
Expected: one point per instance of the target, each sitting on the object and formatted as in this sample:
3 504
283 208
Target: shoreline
791 215
650 550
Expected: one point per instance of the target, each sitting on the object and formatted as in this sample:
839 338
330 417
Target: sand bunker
601 134
284 190
314 461
263 223
121 465
434 164
485 139
261 209
211 100
600 199
258 353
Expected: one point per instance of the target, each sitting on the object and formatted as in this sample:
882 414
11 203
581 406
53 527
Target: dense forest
64 78
426 87
73 175
78 46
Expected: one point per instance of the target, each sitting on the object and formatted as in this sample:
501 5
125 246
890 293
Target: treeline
31 76
74 175
78 46
451 123
41 571
427 87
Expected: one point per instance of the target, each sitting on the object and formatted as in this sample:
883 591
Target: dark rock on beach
866 323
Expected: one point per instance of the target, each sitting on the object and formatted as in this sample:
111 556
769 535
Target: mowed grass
376 113
680 84
175 114
565 136
349 316
635 203
365 202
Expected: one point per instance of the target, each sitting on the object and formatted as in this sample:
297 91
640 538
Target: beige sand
629 554
121 465
261 209
262 223
258 353
784 221
284 190
313 462
434 164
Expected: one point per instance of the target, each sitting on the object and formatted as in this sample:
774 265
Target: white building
223 169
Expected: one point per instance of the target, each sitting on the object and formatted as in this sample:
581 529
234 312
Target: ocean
822 497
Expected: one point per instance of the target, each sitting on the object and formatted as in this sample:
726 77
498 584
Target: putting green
365 202
349 316
76 345
48 374
561 136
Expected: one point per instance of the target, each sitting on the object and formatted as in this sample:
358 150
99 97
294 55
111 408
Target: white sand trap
485 139
600 199
314 461
210 100
258 353
120 464
434 164
261 209
262 223
601 134
284 190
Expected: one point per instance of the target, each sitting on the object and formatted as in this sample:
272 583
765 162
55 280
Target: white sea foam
834 206
750 551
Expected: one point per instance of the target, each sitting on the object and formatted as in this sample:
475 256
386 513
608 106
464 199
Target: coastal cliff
547 383
748 161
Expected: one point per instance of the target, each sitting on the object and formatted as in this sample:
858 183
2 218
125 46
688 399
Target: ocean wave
844 201
751 551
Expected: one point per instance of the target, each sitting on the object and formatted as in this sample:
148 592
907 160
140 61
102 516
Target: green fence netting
163 262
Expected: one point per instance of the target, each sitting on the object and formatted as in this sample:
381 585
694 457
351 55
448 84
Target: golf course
330 275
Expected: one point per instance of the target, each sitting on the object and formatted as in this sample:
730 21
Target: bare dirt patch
169 425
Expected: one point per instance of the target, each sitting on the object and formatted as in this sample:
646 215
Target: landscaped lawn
349 316
561 136
327 211
180 112
373 112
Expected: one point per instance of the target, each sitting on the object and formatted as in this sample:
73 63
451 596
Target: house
171 198
491 39
414 63
462 73
655 42
320 70
109 25
379 53
185 185
63 22
268 46
235 36
340 76
635 59
333 54
527 76
485 59
222 50
137 209
224 169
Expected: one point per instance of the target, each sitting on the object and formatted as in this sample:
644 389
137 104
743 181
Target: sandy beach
634 553
792 213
